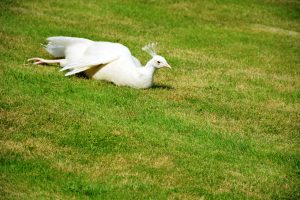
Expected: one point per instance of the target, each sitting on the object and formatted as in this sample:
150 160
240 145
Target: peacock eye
158 62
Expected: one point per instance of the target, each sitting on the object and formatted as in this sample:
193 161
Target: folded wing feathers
77 65
55 50
86 63
57 45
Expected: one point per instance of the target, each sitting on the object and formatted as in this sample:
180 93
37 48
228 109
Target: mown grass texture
223 124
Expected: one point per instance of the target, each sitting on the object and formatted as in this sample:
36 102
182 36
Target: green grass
223 124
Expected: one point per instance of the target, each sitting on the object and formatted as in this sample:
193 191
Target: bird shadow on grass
82 75
162 86
154 86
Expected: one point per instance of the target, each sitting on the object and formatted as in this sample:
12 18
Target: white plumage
107 61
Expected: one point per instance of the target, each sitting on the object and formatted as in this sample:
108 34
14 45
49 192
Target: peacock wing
88 62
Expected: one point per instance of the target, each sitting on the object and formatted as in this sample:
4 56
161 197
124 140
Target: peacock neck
145 75
149 67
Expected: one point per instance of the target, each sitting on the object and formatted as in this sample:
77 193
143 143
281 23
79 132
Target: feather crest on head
150 48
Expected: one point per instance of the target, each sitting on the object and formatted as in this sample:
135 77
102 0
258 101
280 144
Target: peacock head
157 61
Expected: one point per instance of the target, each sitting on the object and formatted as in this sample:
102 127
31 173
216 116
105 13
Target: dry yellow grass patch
186 197
274 30
8 116
280 105
20 191
34 148
163 161
181 6
202 58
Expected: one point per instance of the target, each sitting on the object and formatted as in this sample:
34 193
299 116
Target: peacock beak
168 66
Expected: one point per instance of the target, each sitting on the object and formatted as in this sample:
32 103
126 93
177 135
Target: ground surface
223 124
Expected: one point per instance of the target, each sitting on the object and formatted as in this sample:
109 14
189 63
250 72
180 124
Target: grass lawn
223 124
